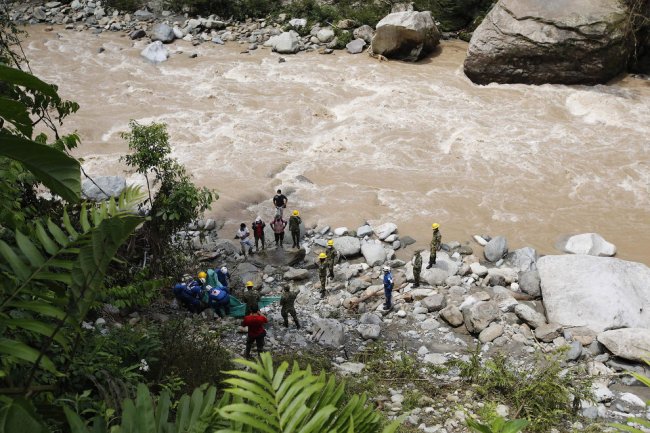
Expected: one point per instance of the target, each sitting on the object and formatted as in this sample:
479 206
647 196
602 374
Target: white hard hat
224 270
386 269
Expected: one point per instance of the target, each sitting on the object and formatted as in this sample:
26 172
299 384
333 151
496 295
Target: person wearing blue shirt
218 299
224 277
388 288
189 293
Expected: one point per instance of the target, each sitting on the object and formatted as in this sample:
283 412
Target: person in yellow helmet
294 228
332 257
436 243
322 273
251 297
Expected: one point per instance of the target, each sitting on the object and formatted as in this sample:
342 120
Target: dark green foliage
498 425
138 294
192 353
455 15
174 200
544 392
125 5
343 37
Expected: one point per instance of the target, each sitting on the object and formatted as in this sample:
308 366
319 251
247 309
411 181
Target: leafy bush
140 292
454 15
343 37
174 203
544 392
644 423
125 5
497 425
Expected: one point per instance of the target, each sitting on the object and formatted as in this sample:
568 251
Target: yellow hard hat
296 213
330 243
322 256
202 275
249 284
435 226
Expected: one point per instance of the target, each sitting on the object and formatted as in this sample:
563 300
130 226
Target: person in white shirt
244 237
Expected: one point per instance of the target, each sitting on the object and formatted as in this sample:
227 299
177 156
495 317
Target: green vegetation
498 425
545 393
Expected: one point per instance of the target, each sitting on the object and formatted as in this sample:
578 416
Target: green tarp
238 308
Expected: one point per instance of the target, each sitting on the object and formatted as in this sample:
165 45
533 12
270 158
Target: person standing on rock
294 228
287 302
251 297
278 225
244 239
258 232
280 202
255 322
436 243
388 288
332 257
322 273
417 268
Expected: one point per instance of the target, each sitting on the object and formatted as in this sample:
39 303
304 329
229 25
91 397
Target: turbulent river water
354 139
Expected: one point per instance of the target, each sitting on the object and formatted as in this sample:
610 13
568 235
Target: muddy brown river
354 139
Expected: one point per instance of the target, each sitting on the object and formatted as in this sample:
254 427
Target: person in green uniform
251 298
417 268
322 273
436 242
287 302
332 257
294 228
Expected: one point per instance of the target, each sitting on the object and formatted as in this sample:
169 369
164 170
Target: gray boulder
384 230
434 302
592 244
596 292
102 187
496 249
163 33
452 315
356 46
286 43
373 252
364 230
558 41
530 316
369 331
406 36
137 34
347 246
364 32
370 319
39 13
529 283
548 332
143 15
524 259
492 332
325 35
296 274
479 315
328 332
155 52
628 343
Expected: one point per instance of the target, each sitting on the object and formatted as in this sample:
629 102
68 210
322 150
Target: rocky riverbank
590 312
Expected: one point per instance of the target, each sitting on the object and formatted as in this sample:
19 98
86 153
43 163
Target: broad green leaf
514 426
44 308
22 351
42 328
16 113
19 78
17 265
18 415
34 256
480 428
75 423
56 170
145 417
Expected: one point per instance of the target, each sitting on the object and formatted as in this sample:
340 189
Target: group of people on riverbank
278 225
211 289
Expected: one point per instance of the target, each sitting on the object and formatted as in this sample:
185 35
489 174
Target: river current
353 139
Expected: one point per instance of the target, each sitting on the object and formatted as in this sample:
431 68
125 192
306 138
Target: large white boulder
155 52
444 268
628 343
347 246
596 292
592 244
102 187
328 332
287 42
384 230
550 41
406 35
373 252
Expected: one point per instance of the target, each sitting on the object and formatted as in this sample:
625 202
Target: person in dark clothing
190 292
223 276
255 322
287 302
251 298
258 232
294 228
280 202
218 300
388 288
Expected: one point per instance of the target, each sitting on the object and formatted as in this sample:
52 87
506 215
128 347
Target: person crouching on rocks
244 239
388 288
255 322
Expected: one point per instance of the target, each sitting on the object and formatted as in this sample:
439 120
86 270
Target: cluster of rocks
592 308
